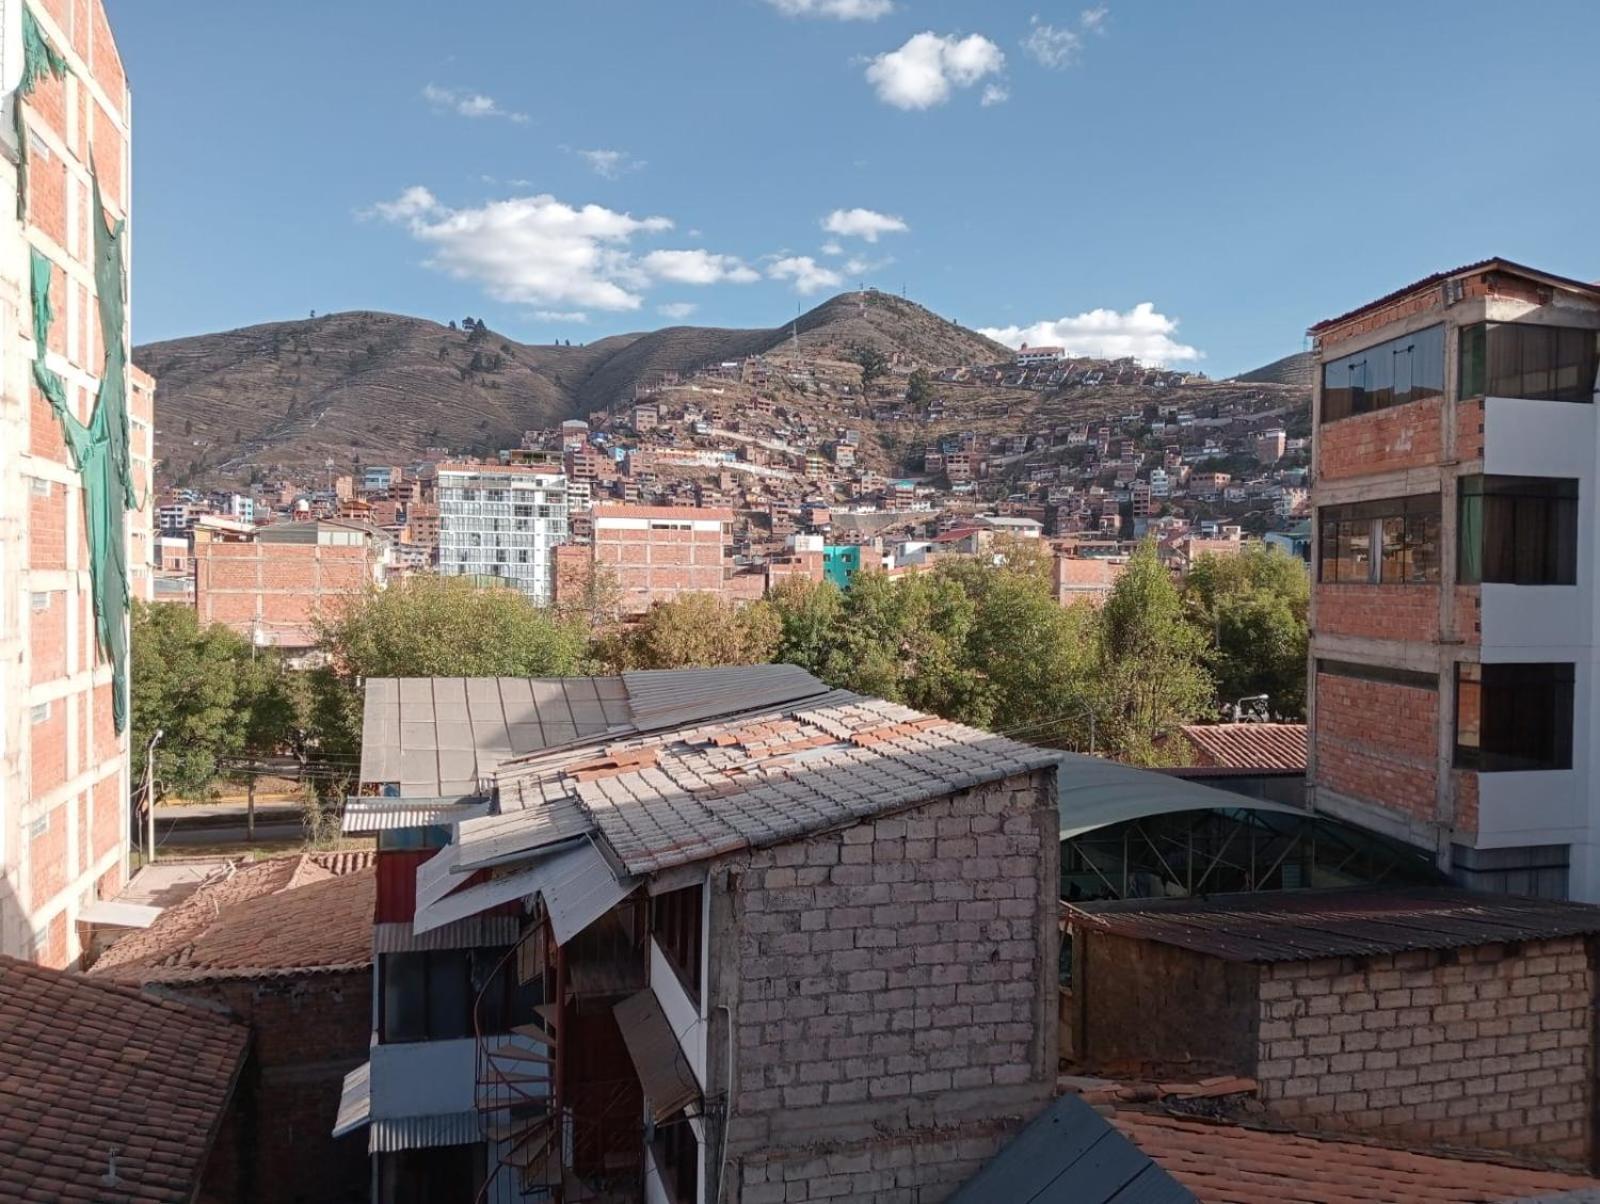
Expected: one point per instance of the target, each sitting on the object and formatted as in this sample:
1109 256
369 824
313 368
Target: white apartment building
502 520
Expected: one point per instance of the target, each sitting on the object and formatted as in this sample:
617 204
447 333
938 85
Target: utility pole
150 796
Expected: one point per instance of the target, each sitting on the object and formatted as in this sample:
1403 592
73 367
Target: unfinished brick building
657 553
1427 1016
737 936
1455 478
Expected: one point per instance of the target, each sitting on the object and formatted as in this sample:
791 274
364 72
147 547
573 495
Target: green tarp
99 449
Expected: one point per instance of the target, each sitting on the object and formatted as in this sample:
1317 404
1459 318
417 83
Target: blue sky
1192 182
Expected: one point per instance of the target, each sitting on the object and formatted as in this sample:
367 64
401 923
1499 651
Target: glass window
1519 359
1518 530
1393 373
1391 542
1514 717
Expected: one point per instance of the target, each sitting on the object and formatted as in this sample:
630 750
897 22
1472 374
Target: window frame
1516 701
1379 368
1510 503
1482 346
1420 519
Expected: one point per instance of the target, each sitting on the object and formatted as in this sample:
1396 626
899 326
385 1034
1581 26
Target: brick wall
1378 741
1406 436
896 991
1383 612
281 587
1469 614
917 1168
653 566
1469 430
1489 1047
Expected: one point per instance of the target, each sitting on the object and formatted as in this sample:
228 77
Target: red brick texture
1469 431
47 857
48 750
47 635
281 587
1385 612
47 526
1407 436
1489 1047
658 565
1377 741
1469 615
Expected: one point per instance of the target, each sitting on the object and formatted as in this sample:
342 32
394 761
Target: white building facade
502 521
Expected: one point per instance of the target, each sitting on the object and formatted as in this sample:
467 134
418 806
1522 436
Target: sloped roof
1301 925
1249 745
299 914
1232 1164
1495 264
97 1080
1092 792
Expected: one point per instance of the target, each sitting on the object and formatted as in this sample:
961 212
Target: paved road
192 825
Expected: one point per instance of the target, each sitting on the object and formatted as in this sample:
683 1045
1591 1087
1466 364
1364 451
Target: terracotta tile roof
303 913
97 1079
1233 1164
1249 745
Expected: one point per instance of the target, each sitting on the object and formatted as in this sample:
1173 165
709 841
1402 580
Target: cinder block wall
1489 1047
893 998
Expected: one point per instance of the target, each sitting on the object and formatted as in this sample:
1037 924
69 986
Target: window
1390 542
1401 370
39 713
1518 359
1383 674
675 922
1518 530
426 996
1513 717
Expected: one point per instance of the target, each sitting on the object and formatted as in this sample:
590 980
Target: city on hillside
702 725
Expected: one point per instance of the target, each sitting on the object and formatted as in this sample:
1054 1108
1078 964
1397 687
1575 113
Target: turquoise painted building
840 563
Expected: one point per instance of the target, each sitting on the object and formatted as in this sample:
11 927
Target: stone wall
1489 1047
893 996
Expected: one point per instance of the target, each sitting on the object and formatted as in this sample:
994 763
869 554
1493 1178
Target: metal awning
435 878
577 884
669 1084
363 816
115 914
495 839
1095 793
391 1134
475 899
355 1102
476 932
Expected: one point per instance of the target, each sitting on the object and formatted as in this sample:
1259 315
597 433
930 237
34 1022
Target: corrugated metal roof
492 839
669 1085
1092 792
441 737
670 697
1505 265
1300 926
364 816
579 888
1249 745
1070 1154
471 933
393 1134
355 1101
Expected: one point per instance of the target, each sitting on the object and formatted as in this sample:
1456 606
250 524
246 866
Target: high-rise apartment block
502 520
75 456
1453 653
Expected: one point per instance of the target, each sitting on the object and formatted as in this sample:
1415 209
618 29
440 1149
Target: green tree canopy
1251 610
700 631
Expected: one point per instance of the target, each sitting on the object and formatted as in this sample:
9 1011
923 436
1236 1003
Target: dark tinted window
1391 542
1402 370
1518 530
1514 717
1539 363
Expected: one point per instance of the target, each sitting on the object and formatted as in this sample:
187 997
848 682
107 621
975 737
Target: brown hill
1297 369
290 396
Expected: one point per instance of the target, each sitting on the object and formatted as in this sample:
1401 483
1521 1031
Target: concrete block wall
889 1170
1489 1047
894 989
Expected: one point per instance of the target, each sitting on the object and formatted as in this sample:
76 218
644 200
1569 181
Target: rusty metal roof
1300 926
1249 745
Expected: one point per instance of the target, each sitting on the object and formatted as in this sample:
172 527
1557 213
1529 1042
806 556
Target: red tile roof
299 914
1249 745
97 1080
1233 1164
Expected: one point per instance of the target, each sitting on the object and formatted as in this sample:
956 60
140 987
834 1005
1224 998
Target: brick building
75 442
1451 686
1422 1016
284 947
753 939
272 585
657 553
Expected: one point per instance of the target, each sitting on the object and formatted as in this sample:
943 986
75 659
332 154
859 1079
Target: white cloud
832 248
923 72
467 104
808 275
677 309
698 267
842 10
995 94
531 250
1094 19
857 266
561 315
1140 332
611 164
862 223
1056 46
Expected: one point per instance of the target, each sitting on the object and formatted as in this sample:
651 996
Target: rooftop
1300 926
1224 1163
107 1094
302 913
1249 745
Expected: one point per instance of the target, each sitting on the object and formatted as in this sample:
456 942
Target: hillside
382 387
1294 369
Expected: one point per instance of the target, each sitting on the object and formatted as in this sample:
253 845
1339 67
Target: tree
1152 676
807 611
919 389
1251 609
872 362
699 631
